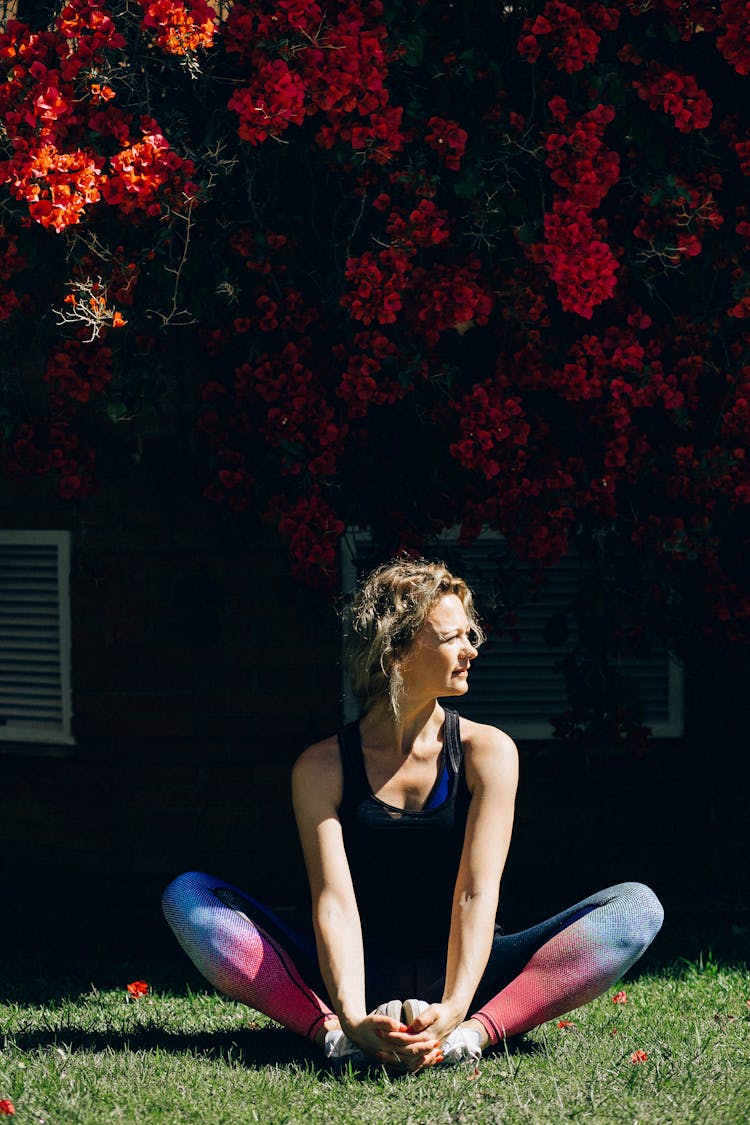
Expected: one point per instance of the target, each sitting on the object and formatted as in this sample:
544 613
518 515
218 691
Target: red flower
180 29
620 997
147 173
377 284
448 139
137 989
639 1056
7 1109
581 265
565 1023
271 104
314 530
733 43
678 94
578 159
572 44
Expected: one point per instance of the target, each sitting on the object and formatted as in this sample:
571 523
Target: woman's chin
459 685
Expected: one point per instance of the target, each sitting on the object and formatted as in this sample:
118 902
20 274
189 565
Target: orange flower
117 322
7 1109
565 1023
620 997
137 989
639 1056
101 93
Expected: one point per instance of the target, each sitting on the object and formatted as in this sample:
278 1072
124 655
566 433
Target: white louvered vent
518 685
34 637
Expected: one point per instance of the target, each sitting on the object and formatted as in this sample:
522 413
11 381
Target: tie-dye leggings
252 955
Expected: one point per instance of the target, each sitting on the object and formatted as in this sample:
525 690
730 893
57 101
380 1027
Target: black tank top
403 862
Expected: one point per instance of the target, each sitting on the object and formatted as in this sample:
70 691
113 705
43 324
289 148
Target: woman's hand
434 1024
388 1042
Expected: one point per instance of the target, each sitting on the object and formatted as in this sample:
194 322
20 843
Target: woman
405 821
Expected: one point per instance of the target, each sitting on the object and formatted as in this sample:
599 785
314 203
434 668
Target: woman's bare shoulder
319 751
488 747
321 760
480 736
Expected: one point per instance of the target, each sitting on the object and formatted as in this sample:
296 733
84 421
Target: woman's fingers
424 1020
412 1049
411 1056
393 1061
431 1060
390 1028
409 1038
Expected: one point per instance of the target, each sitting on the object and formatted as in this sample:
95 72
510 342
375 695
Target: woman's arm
316 794
492 775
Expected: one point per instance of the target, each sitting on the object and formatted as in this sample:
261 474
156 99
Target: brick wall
200 671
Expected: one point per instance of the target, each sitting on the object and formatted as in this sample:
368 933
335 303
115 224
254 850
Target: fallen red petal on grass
639 1056
137 988
7 1108
565 1023
620 997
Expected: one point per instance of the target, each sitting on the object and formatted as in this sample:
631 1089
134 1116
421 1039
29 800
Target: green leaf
413 49
468 186
117 411
526 233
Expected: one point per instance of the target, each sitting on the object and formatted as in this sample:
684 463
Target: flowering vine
400 265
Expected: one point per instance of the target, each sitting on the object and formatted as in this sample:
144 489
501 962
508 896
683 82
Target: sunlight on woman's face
438 660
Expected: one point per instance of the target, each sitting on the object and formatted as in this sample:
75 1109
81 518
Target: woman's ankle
330 1023
475 1025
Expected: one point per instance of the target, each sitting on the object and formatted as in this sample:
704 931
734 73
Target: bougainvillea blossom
513 244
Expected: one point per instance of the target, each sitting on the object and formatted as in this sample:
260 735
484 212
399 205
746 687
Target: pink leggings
252 955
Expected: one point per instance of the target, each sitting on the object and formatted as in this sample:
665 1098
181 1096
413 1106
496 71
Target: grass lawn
76 1050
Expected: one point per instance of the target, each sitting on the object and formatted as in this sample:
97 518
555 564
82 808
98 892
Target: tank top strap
356 786
452 741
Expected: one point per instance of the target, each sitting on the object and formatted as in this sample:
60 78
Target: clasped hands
405 1049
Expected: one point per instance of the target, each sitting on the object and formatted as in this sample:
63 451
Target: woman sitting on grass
405 820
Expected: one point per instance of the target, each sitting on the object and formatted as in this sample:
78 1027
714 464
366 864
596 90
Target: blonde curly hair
390 606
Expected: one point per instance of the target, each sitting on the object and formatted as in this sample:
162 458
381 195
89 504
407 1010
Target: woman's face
438 659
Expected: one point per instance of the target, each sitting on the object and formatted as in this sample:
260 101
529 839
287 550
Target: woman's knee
642 914
183 894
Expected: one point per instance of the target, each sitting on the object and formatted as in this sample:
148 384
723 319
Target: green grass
89 1056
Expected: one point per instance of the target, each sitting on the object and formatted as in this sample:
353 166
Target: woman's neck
418 722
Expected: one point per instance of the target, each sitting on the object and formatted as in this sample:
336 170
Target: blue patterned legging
252 955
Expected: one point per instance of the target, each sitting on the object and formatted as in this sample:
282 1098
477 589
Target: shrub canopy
408 265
